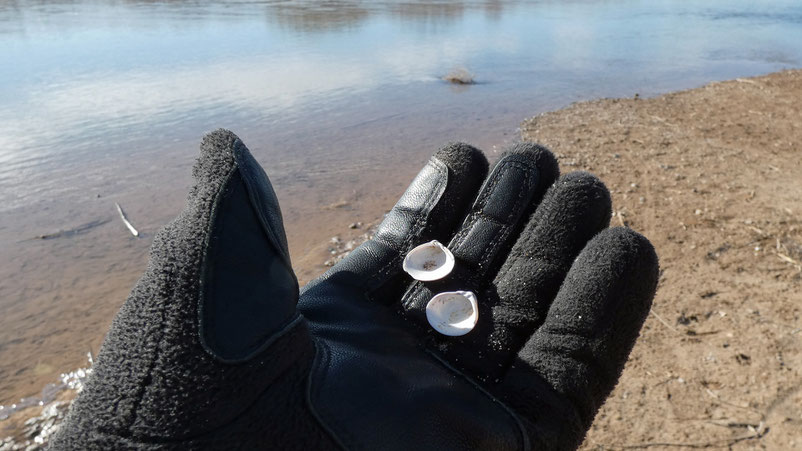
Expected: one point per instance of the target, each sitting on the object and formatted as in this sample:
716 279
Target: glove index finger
431 208
435 201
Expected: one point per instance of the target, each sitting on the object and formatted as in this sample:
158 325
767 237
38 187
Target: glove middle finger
510 193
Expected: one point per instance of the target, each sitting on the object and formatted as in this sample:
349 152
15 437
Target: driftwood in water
71 232
125 220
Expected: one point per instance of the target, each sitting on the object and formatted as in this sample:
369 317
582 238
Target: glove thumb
248 291
210 325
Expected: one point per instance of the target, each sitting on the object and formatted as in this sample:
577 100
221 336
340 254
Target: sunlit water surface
105 101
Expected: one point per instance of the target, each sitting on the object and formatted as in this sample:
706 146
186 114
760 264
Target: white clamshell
453 313
429 261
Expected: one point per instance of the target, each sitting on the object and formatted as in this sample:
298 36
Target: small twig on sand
620 217
726 443
751 82
755 432
790 260
665 323
125 220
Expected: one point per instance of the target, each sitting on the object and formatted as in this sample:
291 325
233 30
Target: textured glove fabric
163 379
216 349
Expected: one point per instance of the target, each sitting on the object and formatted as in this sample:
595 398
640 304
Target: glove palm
216 348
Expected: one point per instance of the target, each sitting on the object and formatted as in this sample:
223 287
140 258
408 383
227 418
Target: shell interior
429 261
453 313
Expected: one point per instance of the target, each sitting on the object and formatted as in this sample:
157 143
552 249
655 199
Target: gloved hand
214 348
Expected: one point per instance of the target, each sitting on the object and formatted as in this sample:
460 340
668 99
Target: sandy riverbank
713 176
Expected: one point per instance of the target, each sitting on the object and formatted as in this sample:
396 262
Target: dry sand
713 176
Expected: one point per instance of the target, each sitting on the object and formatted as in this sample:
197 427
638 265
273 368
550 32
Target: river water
342 101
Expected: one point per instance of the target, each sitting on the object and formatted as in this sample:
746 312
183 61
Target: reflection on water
105 101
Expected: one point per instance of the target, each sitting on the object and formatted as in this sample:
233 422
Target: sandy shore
713 176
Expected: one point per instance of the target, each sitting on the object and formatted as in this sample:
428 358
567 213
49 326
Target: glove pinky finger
572 362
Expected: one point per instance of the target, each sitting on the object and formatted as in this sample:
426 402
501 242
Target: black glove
214 350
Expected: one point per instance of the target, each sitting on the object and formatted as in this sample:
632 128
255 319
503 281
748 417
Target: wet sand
711 175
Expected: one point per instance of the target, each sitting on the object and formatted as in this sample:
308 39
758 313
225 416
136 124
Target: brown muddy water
342 102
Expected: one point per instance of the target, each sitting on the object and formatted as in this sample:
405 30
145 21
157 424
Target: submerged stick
125 220
74 231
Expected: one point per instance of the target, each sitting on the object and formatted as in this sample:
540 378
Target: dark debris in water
83 228
460 77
